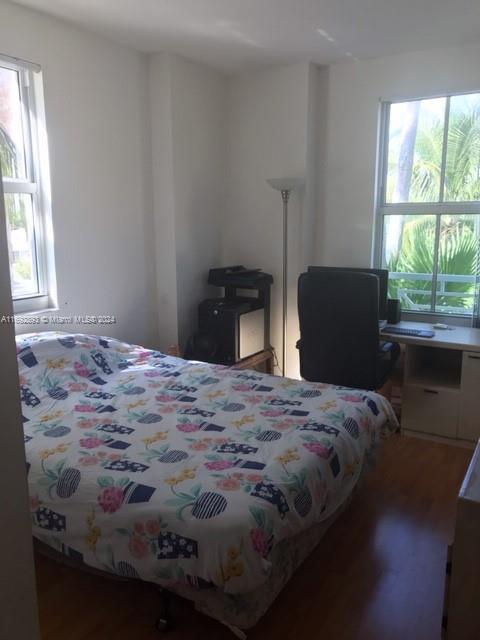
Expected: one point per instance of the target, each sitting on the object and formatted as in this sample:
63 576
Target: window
429 202
25 176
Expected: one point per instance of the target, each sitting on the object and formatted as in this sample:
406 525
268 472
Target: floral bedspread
153 467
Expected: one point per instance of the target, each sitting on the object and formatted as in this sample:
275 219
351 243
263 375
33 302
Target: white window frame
437 209
36 183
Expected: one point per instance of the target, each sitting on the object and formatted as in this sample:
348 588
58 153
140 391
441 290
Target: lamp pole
285 186
285 197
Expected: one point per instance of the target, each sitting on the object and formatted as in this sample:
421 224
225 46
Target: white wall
188 106
269 114
18 617
97 121
353 91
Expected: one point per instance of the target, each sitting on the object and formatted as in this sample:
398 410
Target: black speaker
394 311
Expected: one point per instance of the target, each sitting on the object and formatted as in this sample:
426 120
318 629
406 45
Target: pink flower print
88 461
81 370
199 446
260 541
77 386
152 527
228 484
237 475
241 387
138 547
219 440
352 398
254 477
317 448
23 379
286 424
34 503
152 374
85 423
164 397
188 427
219 465
139 528
111 499
169 408
91 443
114 456
84 408
254 399
272 413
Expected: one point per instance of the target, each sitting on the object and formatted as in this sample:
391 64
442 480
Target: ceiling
239 34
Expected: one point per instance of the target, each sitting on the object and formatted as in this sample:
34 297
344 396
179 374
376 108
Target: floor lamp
285 186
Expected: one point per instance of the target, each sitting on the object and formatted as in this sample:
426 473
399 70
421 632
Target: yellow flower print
60 448
237 568
244 420
288 456
159 435
351 467
172 481
94 532
328 405
51 416
138 403
233 553
57 364
188 474
234 567
215 394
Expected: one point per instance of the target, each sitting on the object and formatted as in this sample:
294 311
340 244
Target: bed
212 482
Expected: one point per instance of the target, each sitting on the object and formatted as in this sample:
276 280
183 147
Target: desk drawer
471 372
430 410
469 421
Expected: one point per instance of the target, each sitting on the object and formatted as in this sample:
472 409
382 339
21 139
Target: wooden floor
377 575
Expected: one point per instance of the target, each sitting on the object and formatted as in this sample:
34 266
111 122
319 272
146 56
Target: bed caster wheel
164 621
161 624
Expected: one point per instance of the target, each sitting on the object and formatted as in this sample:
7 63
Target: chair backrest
339 332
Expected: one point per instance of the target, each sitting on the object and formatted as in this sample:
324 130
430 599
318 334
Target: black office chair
339 330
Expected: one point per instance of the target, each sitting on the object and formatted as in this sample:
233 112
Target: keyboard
403 331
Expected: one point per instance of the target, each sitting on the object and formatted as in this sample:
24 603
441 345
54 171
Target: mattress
182 473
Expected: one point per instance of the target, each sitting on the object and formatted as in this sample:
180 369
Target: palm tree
462 168
458 255
8 155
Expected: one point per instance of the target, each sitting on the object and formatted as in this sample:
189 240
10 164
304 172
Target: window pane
12 146
462 171
457 264
408 254
21 244
415 141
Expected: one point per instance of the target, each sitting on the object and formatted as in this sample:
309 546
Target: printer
236 325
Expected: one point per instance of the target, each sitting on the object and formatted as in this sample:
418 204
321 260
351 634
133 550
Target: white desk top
459 338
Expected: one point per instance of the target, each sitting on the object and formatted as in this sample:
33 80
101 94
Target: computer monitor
382 275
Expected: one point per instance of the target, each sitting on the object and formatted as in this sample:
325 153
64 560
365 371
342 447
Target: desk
441 382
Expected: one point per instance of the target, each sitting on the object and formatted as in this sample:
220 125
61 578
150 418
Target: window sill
447 318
